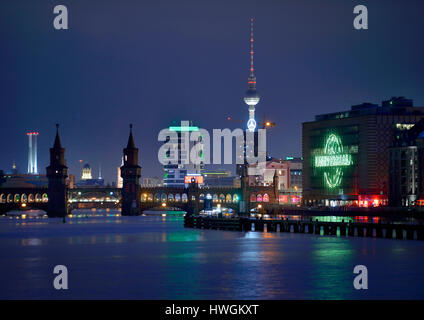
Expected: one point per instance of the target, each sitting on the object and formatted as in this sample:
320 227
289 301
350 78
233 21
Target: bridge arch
3 198
143 197
252 197
17 198
184 197
228 198
163 197
265 197
171 197
201 197
235 198
215 198
45 197
9 198
157 197
221 197
24 198
31 198
177 197
37 197
259 198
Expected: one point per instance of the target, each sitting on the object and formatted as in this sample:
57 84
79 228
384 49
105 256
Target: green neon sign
332 160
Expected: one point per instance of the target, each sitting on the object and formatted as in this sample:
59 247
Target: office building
346 154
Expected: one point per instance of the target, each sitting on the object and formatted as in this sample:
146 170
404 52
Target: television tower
32 153
251 98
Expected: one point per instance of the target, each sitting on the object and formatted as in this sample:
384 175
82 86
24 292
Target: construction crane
265 124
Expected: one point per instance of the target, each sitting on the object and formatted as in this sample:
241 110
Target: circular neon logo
332 160
251 124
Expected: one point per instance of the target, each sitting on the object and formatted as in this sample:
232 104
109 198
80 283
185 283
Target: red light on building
283 198
198 179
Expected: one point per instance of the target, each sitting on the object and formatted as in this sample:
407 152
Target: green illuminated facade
346 154
332 160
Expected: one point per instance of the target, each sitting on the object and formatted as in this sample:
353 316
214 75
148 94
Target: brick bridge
150 198
57 200
192 198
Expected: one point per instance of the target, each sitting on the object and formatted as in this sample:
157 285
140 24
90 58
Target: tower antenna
252 74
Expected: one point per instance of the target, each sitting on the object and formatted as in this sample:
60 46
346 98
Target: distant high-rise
180 165
86 172
32 152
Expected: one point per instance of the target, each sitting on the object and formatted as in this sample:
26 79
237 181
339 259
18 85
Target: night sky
154 62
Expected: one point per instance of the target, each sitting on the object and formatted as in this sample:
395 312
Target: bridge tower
275 182
130 173
193 196
245 200
57 172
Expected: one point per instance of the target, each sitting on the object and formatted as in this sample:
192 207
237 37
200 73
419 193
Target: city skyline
213 158
116 73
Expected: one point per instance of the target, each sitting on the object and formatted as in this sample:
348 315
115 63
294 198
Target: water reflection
331 265
31 242
155 257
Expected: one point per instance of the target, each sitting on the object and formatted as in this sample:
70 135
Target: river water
155 257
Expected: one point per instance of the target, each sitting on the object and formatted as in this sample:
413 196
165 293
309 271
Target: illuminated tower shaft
32 153
251 98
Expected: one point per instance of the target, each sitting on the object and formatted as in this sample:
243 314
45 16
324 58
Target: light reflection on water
155 257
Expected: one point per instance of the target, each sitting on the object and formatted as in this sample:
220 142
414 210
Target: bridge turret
276 182
245 200
193 196
130 173
57 172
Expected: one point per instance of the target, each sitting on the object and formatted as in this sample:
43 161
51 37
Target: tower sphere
251 98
